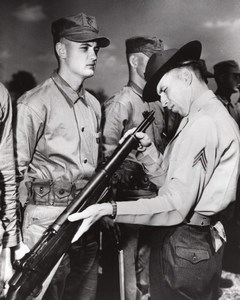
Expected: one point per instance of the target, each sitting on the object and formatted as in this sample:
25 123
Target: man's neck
74 81
199 89
139 81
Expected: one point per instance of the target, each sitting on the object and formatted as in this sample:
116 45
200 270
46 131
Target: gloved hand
21 250
90 215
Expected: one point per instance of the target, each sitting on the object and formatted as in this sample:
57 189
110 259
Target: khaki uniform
197 176
58 136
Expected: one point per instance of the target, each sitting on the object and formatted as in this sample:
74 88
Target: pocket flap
62 190
192 255
41 188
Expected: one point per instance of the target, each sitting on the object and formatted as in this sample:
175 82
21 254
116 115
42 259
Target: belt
46 192
198 220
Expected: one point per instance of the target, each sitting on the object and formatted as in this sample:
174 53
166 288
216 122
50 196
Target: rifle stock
35 266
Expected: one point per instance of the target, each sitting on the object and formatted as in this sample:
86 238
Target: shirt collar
201 101
71 95
136 89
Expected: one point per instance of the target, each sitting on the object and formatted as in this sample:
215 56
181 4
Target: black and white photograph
119 150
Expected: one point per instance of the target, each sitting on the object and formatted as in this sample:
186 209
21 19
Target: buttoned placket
74 103
88 114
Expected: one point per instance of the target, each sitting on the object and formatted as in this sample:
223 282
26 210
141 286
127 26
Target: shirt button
194 257
61 192
82 129
85 161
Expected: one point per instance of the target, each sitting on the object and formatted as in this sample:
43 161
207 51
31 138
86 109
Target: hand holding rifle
96 211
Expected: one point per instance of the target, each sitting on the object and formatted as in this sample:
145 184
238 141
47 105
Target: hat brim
81 38
190 51
208 74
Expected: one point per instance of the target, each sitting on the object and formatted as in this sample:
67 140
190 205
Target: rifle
35 266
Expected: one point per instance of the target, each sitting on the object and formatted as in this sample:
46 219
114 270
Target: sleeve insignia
201 157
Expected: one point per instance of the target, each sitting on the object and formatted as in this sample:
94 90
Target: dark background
26 41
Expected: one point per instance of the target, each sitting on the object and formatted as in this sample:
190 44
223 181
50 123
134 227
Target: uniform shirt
58 132
199 168
7 170
123 112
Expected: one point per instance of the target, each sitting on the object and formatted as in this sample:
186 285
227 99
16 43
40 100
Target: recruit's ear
61 49
133 60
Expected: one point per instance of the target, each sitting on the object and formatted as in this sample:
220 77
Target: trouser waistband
47 192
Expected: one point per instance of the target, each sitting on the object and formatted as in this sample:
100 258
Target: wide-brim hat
162 62
206 73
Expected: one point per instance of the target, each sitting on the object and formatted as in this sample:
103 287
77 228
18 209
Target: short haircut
196 67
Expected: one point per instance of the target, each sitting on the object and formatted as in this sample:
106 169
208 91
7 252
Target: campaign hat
162 62
206 73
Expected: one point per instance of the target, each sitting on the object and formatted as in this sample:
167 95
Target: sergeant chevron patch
201 157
